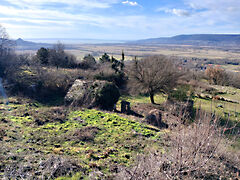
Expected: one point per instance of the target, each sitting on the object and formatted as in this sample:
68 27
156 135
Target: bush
119 79
88 62
234 80
56 57
85 134
107 73
53 115
43 84
105 58
107 96
217 75
198 151
182 93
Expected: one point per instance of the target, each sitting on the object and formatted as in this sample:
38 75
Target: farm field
131 51
140 51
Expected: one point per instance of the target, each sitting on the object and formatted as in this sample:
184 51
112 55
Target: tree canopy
153 74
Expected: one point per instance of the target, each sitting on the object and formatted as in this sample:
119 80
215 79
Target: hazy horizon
73 40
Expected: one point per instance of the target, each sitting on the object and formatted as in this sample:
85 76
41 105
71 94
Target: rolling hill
195 39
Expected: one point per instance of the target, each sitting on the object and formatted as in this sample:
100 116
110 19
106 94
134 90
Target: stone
101 94
154 117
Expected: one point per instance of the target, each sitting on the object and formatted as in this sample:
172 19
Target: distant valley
187 46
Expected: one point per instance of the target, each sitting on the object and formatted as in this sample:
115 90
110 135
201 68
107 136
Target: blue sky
118 19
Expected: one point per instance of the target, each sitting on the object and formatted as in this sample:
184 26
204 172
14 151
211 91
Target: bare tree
4 41
6 45
153 74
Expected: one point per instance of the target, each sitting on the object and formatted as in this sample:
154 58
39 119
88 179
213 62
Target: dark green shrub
105 58
43 55
107 96
119 78
88 62
182 93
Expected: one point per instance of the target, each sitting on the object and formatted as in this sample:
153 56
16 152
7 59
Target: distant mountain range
28 45
195 39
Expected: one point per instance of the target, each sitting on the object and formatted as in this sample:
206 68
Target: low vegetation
59 136
155 117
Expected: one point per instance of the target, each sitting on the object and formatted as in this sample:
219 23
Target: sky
118 19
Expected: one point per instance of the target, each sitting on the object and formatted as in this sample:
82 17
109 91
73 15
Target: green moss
159 99
117 141
77 176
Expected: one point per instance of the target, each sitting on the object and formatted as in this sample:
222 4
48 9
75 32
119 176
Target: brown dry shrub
198 151
50 168
56 166
216 75
85 133
44 83
46 115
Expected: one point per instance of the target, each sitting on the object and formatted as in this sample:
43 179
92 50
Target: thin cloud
131 3
215 5
80 3
174 11
51 17
91 18
179 12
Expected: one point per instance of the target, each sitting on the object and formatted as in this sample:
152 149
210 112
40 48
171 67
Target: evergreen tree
105 58
42 55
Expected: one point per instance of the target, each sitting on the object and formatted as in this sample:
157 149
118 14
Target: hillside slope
196 39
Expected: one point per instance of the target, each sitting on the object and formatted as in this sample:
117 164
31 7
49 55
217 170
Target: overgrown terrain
36 141
155 117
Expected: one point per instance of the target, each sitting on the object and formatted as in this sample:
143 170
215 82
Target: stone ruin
125 107
154 117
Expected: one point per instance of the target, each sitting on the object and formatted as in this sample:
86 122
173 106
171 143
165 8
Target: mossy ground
159 99
115 141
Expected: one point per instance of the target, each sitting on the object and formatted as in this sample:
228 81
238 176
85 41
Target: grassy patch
95 139
159 99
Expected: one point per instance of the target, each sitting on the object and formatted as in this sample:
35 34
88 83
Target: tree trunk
152 98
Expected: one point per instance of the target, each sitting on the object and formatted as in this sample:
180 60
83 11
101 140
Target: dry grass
197 151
